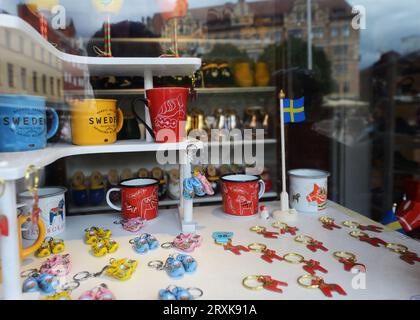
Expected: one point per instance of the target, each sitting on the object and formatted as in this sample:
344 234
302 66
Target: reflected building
253 25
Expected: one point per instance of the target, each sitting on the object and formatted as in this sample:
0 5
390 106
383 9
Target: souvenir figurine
212 177
79 191
97 189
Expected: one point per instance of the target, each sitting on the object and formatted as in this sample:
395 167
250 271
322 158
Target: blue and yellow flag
294 110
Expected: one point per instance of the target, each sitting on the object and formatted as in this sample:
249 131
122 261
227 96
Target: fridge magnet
260 282
315 282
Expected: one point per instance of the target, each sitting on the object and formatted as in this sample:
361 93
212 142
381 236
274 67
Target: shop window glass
23 79
10 75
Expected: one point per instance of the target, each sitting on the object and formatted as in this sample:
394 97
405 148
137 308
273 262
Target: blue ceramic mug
23 123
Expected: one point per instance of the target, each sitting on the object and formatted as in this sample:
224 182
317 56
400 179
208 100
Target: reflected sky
387 20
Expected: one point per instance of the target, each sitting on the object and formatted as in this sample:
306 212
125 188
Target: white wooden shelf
100 66
162 203
239 142
14 164
220 273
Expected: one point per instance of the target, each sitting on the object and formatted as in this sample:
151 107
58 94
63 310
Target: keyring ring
29 171
132 241
398 248
2 187
326 219
258 228
279 224
198 290
156 264
358 233
346 255
28 273
255 288
292 254
71 286
351 224
167 245
258 247
81 276
301 281
303 239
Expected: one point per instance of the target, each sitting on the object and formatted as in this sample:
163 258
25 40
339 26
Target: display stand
14 165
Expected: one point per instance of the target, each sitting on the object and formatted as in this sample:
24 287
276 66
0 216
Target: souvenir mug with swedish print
95 121
23 123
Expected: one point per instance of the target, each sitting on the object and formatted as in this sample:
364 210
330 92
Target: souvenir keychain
356 225
186 242
49 246
362 236
65 293
328 223
310 266
144 243
222 237
35 281
100 241
311 282
263 282
179 293
235 249
121 269
263 231
311 243
175 267
132 224
59 265
284 228
268 255
100 292
405 255
348 259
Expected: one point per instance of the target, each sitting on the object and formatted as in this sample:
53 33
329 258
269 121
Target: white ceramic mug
308 190
53 211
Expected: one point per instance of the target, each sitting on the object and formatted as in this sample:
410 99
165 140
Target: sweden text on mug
95 121
308 190
139 198
23 123
241 194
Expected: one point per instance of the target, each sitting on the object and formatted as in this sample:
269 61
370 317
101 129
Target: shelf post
186 206
9 246
148 84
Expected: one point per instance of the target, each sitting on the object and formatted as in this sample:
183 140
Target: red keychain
235 249
355 225
317 282
311 243
362 236
268 255
264 282
284 228
310 266
328 223
405 255
348 259
263 231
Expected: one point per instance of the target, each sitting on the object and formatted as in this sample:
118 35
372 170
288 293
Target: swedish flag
294 110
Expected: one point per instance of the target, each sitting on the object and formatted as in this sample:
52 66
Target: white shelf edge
167 202
14 164
101 65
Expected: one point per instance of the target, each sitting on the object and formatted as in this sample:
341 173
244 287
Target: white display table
220 272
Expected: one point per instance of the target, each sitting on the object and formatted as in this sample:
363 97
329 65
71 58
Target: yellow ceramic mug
95 121
24 252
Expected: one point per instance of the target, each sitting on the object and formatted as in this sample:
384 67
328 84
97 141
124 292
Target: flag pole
284 197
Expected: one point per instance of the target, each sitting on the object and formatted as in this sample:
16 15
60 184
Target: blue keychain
179 293
222 237
175 267
144 243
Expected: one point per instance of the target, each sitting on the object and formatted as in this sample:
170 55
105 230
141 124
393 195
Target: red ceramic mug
139 198
168 112
241 194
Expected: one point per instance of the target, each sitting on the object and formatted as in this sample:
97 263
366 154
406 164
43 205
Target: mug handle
120 120
108 201
133 108
24 252
262 188
55 123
